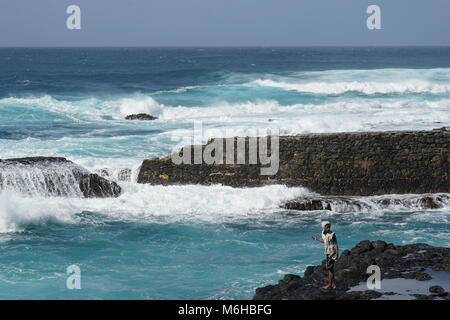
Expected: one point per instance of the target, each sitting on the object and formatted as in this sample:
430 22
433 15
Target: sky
224 23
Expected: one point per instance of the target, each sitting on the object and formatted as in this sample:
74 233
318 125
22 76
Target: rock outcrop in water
49 176
361 163
357 204
412 262
140 116
123 174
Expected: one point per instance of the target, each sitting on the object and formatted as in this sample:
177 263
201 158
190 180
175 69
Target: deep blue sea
195 242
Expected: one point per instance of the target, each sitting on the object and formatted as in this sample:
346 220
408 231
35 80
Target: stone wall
362 163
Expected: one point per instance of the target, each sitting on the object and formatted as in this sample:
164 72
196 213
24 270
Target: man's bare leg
333 283
330 279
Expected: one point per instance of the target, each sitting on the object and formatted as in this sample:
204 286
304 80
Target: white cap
324 223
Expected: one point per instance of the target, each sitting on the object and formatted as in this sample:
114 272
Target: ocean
191 241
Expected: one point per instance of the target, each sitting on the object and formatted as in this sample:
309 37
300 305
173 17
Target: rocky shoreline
413 264
346 164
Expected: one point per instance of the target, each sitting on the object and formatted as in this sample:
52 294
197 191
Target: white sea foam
89 109
369 88
18 211
211 204
368 82
196 203
140 105
99 148
356 114
179 90
256 118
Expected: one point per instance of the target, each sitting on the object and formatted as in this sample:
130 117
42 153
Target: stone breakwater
413 265
360 163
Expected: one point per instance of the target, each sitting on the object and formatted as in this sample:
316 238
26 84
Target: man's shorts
330 263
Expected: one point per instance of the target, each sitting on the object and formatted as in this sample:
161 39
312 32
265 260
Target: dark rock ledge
52 176
353 204
396 262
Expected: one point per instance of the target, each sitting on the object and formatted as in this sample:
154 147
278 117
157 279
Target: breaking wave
196 204
368 88
367 82
148 203
44 179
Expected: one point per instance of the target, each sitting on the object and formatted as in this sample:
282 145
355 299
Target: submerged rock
395 262
140 116
123 174
50 176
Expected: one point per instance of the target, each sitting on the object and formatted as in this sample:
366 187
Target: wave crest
368 88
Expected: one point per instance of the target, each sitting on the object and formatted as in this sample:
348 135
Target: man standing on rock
331 251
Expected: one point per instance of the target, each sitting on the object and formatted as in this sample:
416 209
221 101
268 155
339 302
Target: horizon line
234 46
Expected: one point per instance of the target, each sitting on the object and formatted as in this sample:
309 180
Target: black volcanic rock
52 176
34 160
437 290
352 204
94 186
306 205
406 262
140 116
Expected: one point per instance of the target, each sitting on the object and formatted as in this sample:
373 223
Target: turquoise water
198 242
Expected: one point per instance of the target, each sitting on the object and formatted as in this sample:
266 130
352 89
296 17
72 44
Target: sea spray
17 212
140 104
41 178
